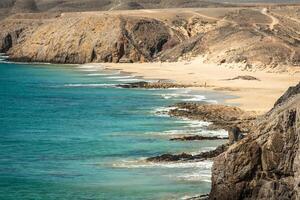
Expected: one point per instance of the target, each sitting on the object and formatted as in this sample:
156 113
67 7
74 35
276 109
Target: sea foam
93 85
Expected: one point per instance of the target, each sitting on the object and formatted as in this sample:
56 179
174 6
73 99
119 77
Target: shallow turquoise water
67 133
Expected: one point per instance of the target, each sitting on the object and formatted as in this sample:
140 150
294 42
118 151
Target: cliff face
92 39
246 36
266 164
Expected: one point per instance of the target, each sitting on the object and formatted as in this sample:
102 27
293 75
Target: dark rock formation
7 43
235 135
222 117
189 157
170 157
149 85
197 137
266 163
292 91
246 77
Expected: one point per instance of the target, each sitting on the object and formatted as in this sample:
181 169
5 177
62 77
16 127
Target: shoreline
267 89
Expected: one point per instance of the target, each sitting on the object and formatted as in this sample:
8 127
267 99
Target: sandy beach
252 95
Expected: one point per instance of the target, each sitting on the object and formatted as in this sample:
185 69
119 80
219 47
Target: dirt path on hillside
274 22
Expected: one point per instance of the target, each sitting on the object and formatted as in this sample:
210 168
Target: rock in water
265 164
197 137
188 157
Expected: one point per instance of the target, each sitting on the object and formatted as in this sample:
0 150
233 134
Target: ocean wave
104 73
194 123
187 97
91 66
204 176
142 163
93 85
119 77
188 197
162 111
195 98
89 70
96 74
191 132
214 133
128 80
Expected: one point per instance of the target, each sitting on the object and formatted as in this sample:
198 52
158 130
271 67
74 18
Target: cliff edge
266 164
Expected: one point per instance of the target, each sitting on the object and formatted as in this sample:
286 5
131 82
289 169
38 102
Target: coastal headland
249 51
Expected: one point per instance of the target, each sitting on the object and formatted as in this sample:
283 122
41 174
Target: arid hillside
17 6
256 38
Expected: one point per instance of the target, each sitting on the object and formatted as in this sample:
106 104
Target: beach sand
252 95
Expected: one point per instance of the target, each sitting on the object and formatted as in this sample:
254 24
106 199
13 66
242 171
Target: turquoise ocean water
66 132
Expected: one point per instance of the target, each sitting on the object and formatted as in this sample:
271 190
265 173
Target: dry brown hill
254 37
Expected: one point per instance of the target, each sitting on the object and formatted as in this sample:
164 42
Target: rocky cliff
265 164
89 39
236 35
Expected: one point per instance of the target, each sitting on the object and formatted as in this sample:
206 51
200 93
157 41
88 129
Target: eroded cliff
251 37
266 164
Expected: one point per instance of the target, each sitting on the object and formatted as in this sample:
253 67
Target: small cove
68 132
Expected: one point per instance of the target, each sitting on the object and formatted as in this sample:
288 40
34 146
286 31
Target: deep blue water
66 133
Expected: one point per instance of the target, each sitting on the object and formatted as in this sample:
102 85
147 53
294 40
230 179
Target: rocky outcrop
234 135
189 157
266 163
246 78
292 91
94 39
221 116
154 85
197 137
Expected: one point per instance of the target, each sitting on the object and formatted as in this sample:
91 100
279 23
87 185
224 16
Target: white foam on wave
194 123
188 197
96 74
199 171
89 70
162 111
91 66
101 85
119 77
3 58
204 176
195 98
104 74
190 127
142 163
214 133
128 79
188 97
